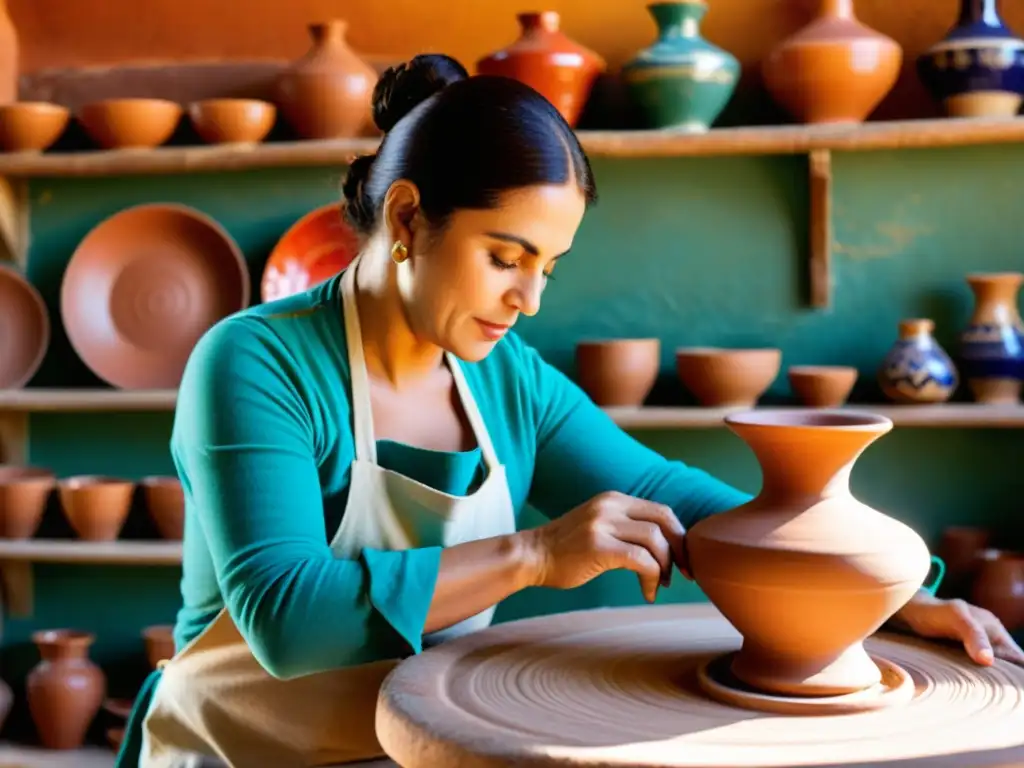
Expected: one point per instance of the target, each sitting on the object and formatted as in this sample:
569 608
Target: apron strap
476 420
362 411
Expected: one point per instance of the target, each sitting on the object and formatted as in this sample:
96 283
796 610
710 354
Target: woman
354 457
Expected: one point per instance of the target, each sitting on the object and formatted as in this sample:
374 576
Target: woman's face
466 286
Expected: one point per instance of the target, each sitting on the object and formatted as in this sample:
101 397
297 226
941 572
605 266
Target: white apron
213 698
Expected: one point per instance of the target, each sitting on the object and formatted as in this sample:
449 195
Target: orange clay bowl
232 121
135 123
727 378
618 372
822 386
31 126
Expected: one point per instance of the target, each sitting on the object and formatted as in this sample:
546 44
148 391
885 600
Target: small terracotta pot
65 689
123 123
999 586
232 121
727 378
96 506
960 548
618 371
822 386
24 492
31 126
159 641
165 503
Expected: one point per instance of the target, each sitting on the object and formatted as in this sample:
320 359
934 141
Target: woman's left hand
983 635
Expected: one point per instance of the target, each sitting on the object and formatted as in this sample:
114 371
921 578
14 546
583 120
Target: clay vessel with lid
834 70
65 689
24 493
805 571
547 60
916 369
96 506
618 371
992 344
999 586
328 93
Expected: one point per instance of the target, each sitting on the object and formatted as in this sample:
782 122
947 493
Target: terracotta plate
24 329
143 286
315 248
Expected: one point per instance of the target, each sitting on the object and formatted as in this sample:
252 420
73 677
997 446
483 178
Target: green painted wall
695 251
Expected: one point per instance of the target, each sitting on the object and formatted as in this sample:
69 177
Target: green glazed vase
681 81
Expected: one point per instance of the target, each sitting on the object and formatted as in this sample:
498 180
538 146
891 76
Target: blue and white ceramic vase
992 344
916 369
978 69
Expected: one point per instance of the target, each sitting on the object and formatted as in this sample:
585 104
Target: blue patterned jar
916 369
978 69
992 344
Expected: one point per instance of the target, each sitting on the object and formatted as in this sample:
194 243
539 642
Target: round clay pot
916 369
548 61
960 548
165 502
822 386
130 123
96 506
24 493
159 641
999 586
328 93
65 689
26 329
618 371
992 344
31 126
834 70
805 571
232 121
727 378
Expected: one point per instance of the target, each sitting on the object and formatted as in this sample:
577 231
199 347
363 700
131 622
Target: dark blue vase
916 369
978 69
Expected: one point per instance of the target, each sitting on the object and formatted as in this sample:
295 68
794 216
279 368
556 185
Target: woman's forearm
478 574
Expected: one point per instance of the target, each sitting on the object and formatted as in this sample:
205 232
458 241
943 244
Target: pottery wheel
618 687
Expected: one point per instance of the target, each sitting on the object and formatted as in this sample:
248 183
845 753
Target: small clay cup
96 506
130 123
232 121
159 641
24 492
165 503
727 378
822 386
31 126
618 372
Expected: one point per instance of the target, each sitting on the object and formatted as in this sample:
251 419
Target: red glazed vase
65 689
328 93
549 62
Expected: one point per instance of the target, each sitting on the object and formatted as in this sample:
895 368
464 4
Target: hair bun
405 85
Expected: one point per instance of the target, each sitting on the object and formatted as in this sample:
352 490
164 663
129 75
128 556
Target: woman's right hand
610 531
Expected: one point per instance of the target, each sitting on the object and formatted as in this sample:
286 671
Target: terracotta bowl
143 286
618 371
822 386
24 493
159 641
31 126
123 123
232 121
165 502
727 378
96 506
25 324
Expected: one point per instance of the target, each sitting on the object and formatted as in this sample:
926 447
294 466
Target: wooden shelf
71 400
20 756
753 140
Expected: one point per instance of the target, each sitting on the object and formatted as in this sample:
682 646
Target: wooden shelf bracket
820 228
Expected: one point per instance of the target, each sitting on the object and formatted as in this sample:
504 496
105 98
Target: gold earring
399 252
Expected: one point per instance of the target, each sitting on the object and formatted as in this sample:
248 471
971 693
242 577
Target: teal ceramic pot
681 81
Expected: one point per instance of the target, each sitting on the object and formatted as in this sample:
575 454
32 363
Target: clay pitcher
10 67
992 344
328 93
549 62
65 689
834 70
805 571
999 586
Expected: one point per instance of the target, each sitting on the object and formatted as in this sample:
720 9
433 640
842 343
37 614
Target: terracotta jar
805 571
834 70
960 547
65 689
992 344
999 586
618 371
549 62
328 93
916 369
9 57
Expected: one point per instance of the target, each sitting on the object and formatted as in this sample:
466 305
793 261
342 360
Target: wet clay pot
96 506
805 571
24 493
9 57
165 503
834 70
328 93
999 586
916 369
65 689
618 371
992 344
548 61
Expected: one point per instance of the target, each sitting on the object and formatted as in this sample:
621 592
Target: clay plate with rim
24 329
143 286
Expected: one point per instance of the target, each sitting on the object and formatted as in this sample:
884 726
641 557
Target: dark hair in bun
462 140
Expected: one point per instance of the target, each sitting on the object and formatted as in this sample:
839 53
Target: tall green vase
681 81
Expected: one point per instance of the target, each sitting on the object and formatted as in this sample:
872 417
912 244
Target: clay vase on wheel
805 571
65 689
